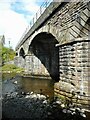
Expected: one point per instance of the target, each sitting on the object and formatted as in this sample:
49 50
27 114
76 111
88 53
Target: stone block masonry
74 68
60 43
75 65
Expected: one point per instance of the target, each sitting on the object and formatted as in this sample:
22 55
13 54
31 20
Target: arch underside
44 55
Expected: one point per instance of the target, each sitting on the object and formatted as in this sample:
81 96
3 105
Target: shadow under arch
22 53
43 47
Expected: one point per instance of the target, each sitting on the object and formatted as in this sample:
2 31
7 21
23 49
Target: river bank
16 104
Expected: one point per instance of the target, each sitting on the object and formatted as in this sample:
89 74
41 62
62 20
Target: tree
7 54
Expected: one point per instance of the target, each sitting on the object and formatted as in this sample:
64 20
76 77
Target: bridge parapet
38 19
69 19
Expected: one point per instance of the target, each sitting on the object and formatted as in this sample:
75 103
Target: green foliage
7 54
11 68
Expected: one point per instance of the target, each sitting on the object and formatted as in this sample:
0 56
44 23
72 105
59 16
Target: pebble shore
17 104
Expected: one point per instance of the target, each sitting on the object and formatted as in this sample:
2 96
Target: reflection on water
45 86
36 85
6 76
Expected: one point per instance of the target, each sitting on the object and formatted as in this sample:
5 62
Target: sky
15 17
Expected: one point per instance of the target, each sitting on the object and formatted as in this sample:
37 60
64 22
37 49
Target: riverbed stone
17 106
64 86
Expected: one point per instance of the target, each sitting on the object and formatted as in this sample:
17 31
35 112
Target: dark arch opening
16 54
22 53
43 47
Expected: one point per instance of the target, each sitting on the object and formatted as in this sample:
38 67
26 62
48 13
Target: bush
7 54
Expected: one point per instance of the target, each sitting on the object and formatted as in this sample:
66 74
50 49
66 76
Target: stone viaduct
58 45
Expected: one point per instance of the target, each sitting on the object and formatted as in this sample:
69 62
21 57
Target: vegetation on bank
7 55
11 68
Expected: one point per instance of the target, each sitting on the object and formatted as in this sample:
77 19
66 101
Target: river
18 102
31 84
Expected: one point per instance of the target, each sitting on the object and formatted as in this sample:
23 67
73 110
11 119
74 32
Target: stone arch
22 53
46 54
46 29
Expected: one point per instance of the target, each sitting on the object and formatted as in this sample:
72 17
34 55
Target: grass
11 68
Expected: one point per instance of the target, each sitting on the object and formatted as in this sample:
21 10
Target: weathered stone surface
60 45
19 61
76 69
64 86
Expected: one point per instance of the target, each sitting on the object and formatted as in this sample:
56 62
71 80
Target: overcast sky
15 16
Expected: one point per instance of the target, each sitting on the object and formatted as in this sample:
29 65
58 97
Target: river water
13 107
31 84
